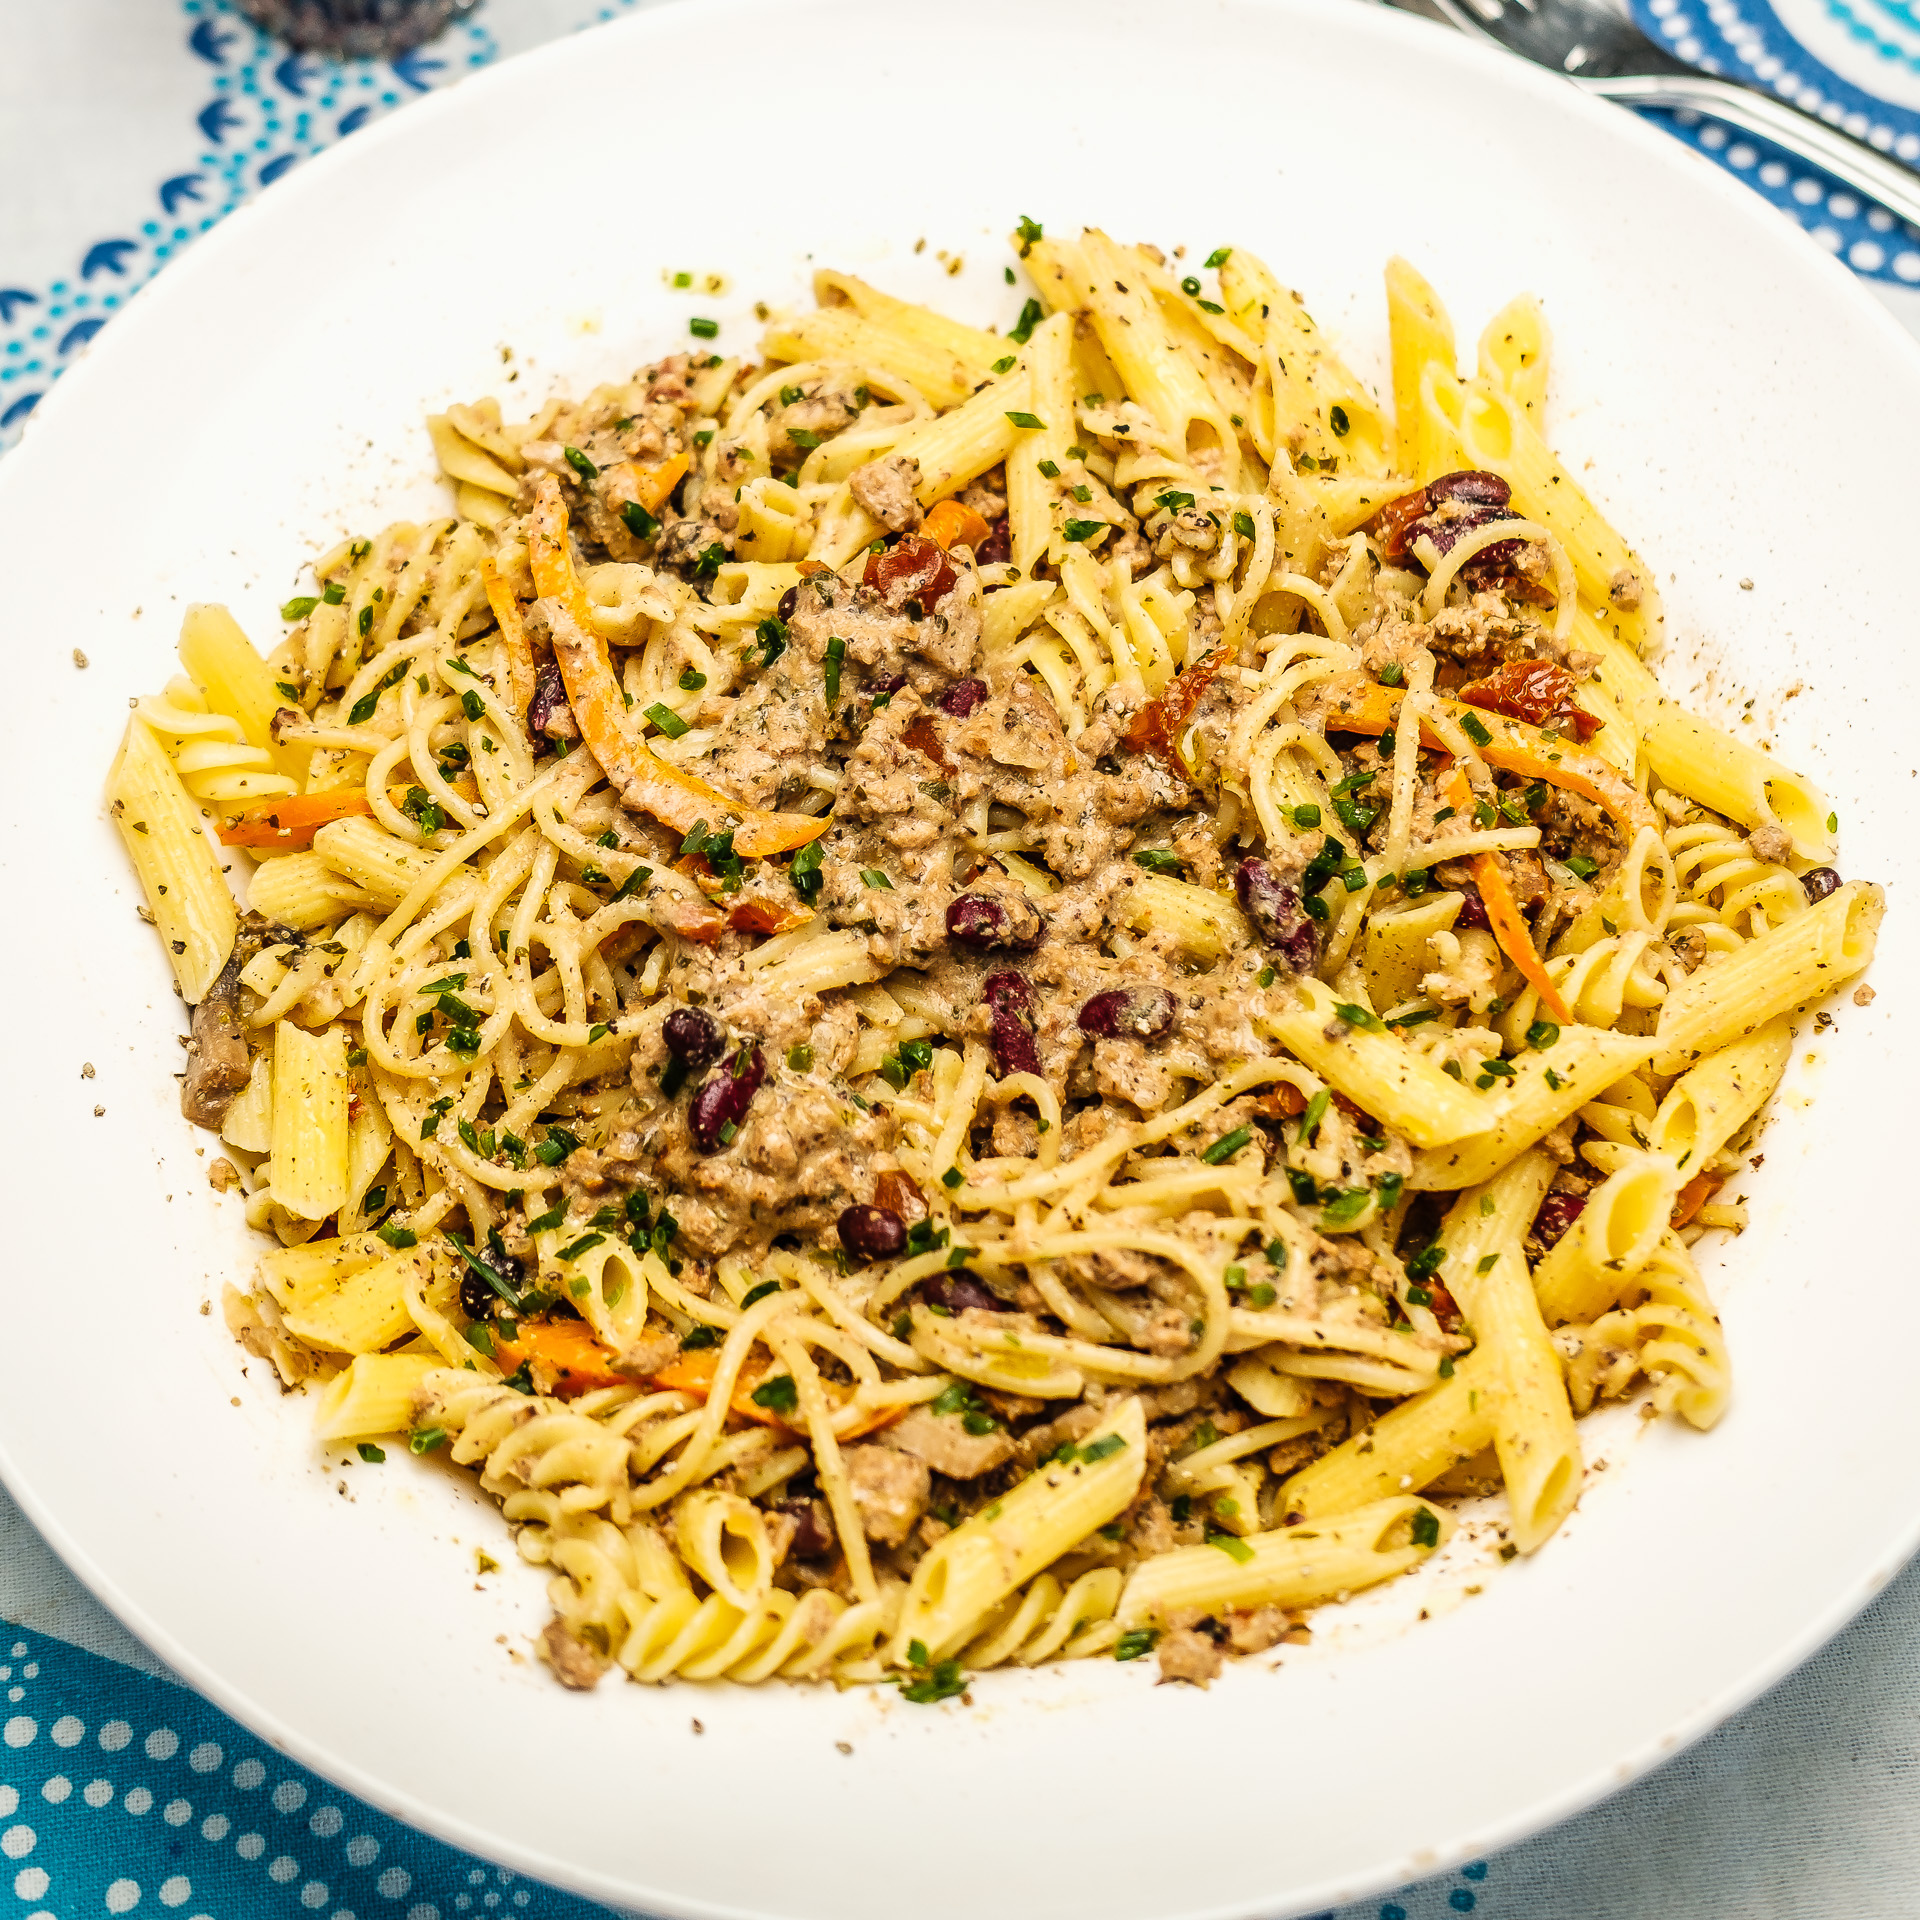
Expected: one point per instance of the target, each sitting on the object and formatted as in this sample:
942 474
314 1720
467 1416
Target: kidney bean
723 1099
1133 1013
788 601
812 1528
874 1233
548 712
896 1190
911 569
959 1291
692 1037
1274 908
1558 1211
1471 486
891 684
998 545
1818 882
984 921
1473 910
962 697
1012 1038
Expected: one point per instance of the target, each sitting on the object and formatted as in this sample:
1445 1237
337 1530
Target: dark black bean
788 601
891 684
1818 882
959 1291
1558 1211
1132 1013
1473 910
812 1528
722 1101
874 1233
692 1037
1273 905
477 1299
962 697
548 712
994 920
1012 1038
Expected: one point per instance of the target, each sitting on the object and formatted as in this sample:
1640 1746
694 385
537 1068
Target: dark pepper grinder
355 29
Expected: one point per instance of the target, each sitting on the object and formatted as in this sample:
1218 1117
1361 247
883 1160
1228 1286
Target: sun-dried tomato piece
1392 526
1540 692
1157 727
910 569
921 734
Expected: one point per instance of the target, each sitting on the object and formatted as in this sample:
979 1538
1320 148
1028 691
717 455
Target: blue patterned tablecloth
138 123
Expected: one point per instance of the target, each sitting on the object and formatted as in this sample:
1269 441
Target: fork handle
1867 172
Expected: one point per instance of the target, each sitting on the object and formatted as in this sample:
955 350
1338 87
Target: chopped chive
1338 421
581 465
1243 525
1227 1146
1426 1528
759 1292
1157 860
1218 257
1136 1643
1006 365
666 720
1475 730
371 1454
703 329
427 1439
1232 1546
836 654
876 879
1083 529
1022 329
800 1058
1315 1112
1030 422
1541 1035
1359 1017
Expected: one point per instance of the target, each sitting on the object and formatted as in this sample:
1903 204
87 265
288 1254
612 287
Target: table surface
137 123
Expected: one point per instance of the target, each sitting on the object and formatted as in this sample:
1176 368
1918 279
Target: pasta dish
951 998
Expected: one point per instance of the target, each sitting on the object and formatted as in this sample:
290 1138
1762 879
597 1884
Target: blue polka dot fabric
121 1792
1748 40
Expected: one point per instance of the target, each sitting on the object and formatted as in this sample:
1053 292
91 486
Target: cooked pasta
964 999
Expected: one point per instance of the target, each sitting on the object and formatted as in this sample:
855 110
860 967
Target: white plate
1741 408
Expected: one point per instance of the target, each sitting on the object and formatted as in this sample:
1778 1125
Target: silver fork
1603 53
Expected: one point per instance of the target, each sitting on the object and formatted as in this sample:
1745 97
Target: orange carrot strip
1503 911
568 1349
513 630
693 1373
764 917
950 524
1516 942
1695 1195
646 782
646 487
1354 704
288 825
